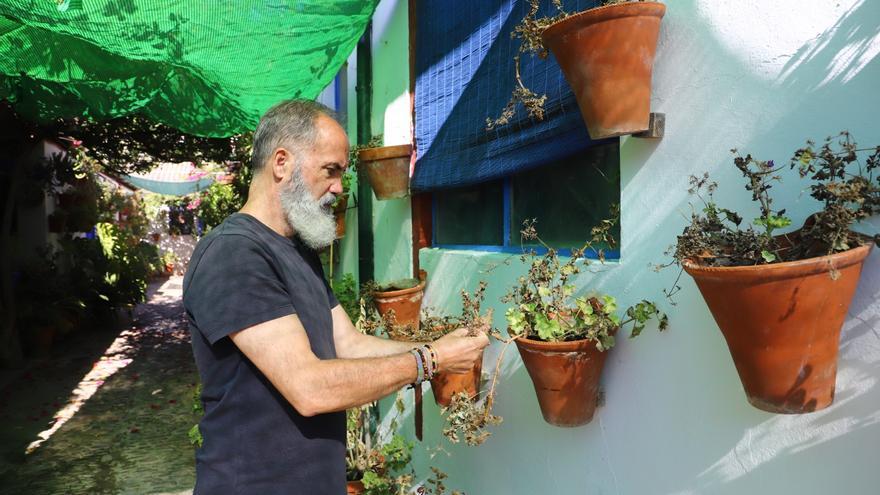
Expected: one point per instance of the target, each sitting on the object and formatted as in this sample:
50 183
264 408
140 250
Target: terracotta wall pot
387 169
445 385
782 325
354 487
406 303
607 56
566 378
339 213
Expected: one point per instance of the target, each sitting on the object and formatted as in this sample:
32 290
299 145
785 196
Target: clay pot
446 385
406 303
339 212
607 56
566 378
782 325
387 169
354 487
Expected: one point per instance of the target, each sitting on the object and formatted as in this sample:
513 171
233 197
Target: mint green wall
758 76
392 221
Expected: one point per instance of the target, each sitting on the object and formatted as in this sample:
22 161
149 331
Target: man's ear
281 163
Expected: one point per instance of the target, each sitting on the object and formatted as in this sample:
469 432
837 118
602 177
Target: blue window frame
567 197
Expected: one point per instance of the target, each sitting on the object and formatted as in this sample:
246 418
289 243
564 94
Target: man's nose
336 187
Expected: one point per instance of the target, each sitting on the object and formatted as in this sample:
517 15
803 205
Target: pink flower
194 204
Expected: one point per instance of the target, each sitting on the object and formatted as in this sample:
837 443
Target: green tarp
206 67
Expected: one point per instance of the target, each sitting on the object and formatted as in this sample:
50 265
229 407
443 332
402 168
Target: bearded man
278 357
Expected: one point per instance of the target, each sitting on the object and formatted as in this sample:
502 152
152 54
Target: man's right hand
457 353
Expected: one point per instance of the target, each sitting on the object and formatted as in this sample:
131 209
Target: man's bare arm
280 349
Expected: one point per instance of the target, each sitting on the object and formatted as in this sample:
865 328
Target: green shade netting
209 68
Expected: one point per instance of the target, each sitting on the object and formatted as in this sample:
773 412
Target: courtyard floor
109 412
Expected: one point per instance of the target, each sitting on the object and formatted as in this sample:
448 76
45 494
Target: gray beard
311 219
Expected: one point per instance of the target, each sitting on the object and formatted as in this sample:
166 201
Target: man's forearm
338 384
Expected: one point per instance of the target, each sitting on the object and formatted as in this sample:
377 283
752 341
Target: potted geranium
563 339
780 299
606 54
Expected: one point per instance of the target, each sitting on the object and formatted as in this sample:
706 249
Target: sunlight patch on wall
767 41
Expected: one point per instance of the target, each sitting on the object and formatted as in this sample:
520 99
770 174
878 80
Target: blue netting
465 74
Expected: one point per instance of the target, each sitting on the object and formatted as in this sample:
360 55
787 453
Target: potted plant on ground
386 167
606 54
563 339
373 468
780 299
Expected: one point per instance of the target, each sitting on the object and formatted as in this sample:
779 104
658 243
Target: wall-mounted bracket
656 127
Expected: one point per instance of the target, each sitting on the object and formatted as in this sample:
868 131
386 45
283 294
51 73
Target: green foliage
543 305
216 203
346 293
847 190
195 436
131 261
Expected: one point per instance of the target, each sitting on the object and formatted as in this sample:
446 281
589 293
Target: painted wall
758 76
392 220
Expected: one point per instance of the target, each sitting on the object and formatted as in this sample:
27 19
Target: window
567 197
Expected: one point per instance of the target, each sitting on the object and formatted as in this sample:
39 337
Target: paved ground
107 414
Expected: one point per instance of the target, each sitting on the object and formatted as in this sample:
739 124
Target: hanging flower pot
782 324
566 378
446 385
607 56
339 212
387 169
405 302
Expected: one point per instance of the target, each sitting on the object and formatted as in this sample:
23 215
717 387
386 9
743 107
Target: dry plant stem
490 394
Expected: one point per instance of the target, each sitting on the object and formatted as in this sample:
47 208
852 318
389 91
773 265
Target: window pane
568 197
470 216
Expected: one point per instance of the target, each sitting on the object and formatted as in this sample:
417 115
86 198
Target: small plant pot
566 378
446 385
406 303
782 325
354 487
387 169
607 57
339 212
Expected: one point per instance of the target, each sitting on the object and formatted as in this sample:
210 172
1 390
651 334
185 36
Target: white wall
761 77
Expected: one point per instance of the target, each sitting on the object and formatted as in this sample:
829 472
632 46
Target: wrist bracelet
426 363
420 371
434 363
429 366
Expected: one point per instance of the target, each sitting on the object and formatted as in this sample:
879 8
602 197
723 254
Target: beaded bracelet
433 357
429 367
426 362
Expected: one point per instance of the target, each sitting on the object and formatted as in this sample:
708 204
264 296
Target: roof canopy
209 68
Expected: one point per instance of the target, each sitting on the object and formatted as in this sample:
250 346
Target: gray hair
289 124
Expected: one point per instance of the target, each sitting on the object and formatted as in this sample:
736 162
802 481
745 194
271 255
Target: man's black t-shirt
241 274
